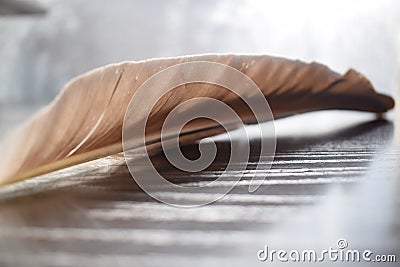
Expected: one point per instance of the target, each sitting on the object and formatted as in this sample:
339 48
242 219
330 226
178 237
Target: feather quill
85 121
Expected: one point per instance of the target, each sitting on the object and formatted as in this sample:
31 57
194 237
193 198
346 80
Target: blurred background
45 43
40 52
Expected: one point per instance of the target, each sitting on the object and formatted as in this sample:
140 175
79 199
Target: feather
85 121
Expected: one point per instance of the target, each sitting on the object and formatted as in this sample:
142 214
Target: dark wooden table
335 175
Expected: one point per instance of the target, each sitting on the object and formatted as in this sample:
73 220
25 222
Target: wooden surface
335 175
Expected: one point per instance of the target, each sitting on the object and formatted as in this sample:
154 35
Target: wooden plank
95 215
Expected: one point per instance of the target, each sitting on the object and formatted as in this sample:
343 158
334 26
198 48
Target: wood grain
95 215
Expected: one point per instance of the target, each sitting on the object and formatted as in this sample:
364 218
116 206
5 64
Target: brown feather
85 121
